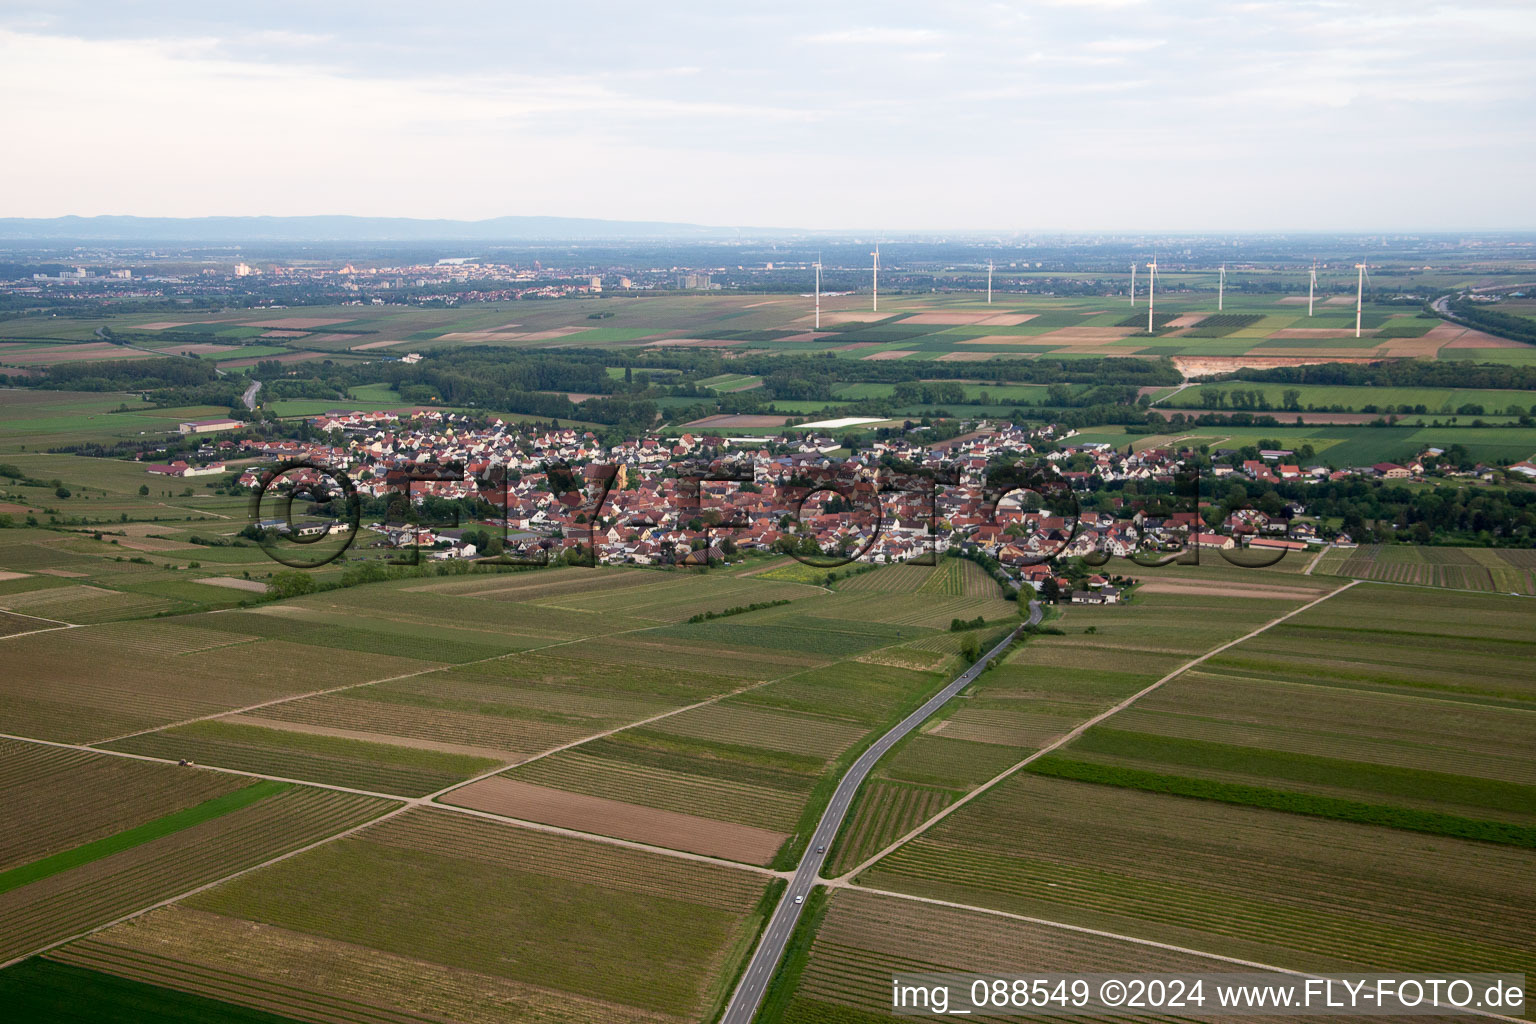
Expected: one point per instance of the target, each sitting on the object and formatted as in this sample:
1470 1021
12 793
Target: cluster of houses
651 500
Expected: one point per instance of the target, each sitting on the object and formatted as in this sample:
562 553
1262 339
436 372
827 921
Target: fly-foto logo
824 516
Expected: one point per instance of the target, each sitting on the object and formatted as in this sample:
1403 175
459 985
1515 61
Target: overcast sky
1107 115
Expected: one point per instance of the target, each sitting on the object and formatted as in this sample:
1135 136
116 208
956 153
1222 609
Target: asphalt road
765 959
249 398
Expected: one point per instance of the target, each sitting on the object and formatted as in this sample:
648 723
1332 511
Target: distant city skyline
1096 116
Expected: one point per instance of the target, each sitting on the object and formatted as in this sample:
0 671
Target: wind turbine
989 282
817 265
1221 287
1133 283
1311 286
1151 291
1359 296
875 306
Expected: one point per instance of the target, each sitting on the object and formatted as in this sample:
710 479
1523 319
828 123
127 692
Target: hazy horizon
894 234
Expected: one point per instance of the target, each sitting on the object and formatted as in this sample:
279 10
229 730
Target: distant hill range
358 229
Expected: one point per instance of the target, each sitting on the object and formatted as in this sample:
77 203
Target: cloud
876 36
725 119
1124 45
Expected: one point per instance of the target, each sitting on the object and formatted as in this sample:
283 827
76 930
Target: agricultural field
105 695
910 326
1437 402
1052 683
426 726
104 796
1236 809
745 774
484 921
55 898
1241 881
1337 445
30 420
1298 741
1491 570
852 941
884 812
574 794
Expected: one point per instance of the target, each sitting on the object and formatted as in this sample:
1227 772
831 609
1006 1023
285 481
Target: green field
570 794
1492 570
1338 445
51 992
31 420
1382 733
923 325
1436 401
514 911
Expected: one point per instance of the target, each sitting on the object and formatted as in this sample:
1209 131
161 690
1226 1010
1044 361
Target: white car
799 899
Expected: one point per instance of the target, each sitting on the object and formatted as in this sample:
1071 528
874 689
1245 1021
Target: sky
1088 115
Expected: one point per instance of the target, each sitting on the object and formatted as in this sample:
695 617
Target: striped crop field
945 579
138 835
682 787
1412 713
311 757
976 581
1491 570
862 938
884 812
689 654
922 609
900 579
675 596
83 603
92 893
532 910
743 725
57 799
929 759
105 694
1289 890
794 571
486 728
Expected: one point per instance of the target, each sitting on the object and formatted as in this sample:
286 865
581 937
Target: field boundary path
765 959
1187 383
1136 940
402 804
1085 726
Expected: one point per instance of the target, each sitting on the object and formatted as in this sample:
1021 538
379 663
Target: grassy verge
741 952
138 835
797 953
1431 822
821 794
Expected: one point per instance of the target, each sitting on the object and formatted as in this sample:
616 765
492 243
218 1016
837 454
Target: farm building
180 468
209 426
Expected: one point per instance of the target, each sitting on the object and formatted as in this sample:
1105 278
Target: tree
970 650
61 491
290 583
143 490
1050 589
